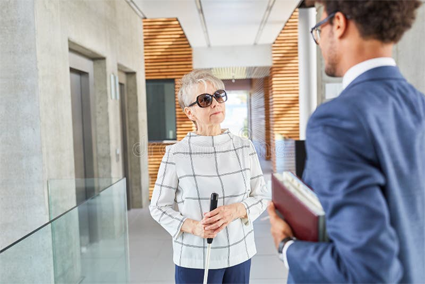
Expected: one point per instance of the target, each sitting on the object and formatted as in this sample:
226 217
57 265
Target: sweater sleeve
162 203
256 202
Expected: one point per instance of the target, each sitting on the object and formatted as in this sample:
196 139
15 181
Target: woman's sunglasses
205 100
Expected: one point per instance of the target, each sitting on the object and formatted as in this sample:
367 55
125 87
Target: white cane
213 205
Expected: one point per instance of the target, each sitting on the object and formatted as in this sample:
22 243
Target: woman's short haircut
190 83
383 20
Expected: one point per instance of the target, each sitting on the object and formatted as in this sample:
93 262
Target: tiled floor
151 250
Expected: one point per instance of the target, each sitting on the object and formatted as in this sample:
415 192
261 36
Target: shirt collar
364 66
209 141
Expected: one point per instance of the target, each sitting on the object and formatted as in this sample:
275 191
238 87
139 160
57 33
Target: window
237 113
161 108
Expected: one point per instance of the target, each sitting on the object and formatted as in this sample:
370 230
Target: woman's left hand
219 218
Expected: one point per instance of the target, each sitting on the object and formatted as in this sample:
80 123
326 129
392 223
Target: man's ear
340 24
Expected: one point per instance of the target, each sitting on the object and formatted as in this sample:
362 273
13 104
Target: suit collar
378 74
365 66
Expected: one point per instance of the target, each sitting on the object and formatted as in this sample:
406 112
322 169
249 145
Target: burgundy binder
306 224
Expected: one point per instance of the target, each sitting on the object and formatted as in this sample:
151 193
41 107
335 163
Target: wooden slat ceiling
168 55
284 86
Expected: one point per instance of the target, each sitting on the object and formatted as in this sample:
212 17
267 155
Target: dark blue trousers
238 274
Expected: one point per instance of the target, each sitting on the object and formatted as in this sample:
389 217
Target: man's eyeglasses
315 31
205 100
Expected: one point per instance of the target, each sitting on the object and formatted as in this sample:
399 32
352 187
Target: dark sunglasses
205 100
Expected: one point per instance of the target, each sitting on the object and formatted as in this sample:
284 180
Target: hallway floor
151 249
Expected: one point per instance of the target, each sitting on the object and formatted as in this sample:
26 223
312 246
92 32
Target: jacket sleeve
343 170
257 201
163 196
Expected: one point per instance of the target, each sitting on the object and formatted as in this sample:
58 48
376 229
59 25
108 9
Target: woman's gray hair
190 82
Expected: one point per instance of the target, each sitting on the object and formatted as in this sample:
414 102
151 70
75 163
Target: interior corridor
151 249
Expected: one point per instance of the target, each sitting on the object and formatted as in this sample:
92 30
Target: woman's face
213 114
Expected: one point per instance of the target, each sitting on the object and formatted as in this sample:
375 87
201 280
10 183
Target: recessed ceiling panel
233 22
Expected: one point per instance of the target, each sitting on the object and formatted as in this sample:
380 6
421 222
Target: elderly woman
209 160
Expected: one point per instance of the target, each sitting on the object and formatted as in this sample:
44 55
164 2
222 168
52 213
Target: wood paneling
258 116
155 151
184 125
168 55
284 86
267 117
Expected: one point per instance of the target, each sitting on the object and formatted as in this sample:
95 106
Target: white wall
307 58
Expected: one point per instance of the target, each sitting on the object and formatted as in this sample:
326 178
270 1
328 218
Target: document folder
299 207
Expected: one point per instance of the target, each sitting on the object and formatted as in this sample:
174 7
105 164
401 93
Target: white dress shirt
349 77
364 66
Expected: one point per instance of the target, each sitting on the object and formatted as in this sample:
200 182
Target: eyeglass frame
213 97
321 23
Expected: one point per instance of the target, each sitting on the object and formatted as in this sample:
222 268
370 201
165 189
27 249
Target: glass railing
65 194
82 243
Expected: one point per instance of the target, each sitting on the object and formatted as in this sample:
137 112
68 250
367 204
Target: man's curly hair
383 20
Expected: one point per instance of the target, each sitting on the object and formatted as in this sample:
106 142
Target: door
77 83
85 182
124 134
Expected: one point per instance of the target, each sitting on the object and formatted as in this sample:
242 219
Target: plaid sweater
190 171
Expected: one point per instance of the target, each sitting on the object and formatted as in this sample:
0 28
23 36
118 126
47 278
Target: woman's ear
189 113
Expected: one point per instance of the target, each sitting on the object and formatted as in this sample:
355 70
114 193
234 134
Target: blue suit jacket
366 162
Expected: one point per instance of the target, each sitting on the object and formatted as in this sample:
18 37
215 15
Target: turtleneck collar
209 141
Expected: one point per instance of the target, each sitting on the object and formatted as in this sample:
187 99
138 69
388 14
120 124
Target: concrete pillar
21 166
23 205
307 58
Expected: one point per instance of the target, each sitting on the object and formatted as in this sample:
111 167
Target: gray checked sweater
190 171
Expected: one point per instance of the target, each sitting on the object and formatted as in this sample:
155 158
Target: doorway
82 106
122 78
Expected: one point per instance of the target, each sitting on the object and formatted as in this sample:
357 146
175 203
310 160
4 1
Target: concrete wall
23 204
323 80
112 34
22 178
410 52
36 139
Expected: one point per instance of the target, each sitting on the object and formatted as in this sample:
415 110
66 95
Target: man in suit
365 154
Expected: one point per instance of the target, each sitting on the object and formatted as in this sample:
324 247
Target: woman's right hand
197 228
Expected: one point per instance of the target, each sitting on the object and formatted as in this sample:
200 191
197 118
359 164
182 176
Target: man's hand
280 229
219 218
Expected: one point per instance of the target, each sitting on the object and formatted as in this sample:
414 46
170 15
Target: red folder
293 202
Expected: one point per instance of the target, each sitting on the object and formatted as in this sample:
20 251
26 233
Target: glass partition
65 194
60 252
